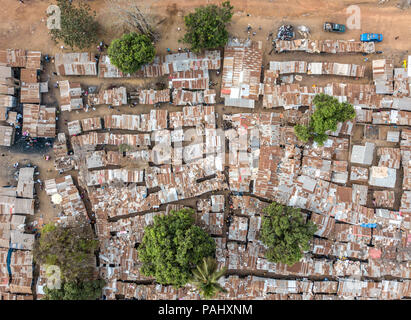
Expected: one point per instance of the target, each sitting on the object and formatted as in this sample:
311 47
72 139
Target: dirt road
24 25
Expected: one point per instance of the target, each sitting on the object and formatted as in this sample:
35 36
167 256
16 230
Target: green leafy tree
302 132
285 233
78 25
206 27
131 51
205 278
173 246
328 113
70 248
87 290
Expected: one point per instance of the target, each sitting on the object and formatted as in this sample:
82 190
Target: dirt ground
24 26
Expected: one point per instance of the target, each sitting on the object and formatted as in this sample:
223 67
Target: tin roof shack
194 116
318 68
191 79
217 203
30 93
151 96
13 58
114 97
75 64
248 205
7 102
402 83
7 135
108 176
337 69
119 201
383 177
240 85
270 97
383 76
92 139
285 67
13 205
28 76
39 121
157 119
211 215
107 70
70 96
326 46
21 266
359 174
363 115
12 118
184 97
22 241
74 127
91 124
71 203
363 154
25 183
98 159
209 96
406 182
325 225
406 203
184 61
402 118
393 136
238 229
62 161
34 60
384 198
389 157
8 82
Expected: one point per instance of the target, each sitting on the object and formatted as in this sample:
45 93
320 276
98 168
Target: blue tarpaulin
9 261
369 225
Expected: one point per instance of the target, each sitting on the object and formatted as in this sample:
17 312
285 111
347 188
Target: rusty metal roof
39 121
75 64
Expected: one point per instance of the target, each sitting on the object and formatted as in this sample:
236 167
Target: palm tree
205 278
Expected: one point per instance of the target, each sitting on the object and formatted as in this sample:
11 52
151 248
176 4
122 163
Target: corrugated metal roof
75 64
39 121
115 97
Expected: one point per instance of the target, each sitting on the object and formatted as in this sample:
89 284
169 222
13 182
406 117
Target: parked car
334 27
368 37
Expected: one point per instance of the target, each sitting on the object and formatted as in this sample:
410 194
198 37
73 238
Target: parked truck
368 37
334 27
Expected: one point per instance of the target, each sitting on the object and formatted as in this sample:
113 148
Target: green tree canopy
205 278
70 248
173 246
206 27
78 25
285 233
328 113
75 290
131 51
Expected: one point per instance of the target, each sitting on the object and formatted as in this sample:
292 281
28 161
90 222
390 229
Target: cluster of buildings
16 258
20 84
356 187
